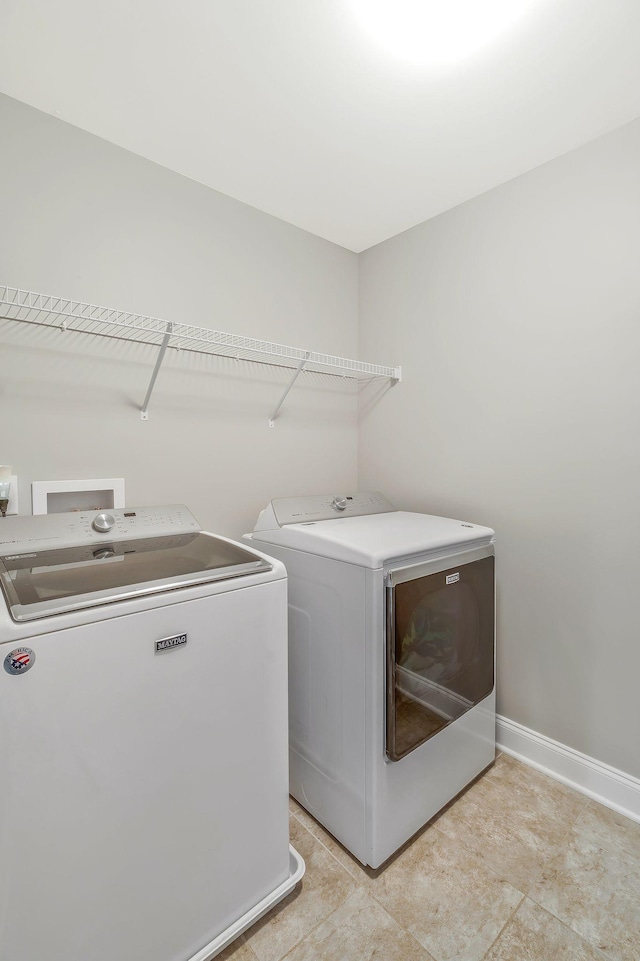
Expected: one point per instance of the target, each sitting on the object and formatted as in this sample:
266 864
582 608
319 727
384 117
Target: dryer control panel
51 531
320 507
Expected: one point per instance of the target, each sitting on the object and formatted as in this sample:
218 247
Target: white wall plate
55 497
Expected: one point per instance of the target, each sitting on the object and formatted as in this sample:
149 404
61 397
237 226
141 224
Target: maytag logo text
170 643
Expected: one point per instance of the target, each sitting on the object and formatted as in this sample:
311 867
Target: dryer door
440 645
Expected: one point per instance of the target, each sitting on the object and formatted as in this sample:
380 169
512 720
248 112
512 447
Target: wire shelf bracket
272 419
144 410
73 315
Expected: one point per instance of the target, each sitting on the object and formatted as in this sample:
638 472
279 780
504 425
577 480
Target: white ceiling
290 106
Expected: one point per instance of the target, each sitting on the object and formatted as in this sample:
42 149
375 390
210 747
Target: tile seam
243 940
589 944
574 823
282 957
590 802
508 921
498 874
293 947
489 868
328 850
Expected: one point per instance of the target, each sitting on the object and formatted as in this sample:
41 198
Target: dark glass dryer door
440 648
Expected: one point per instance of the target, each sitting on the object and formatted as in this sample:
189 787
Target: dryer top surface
373 540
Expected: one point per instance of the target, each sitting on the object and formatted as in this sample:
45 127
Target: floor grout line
332 912
359 887
508 921
247 944
571 827
589 944
308 934
322 844
526 881
478 857
369 892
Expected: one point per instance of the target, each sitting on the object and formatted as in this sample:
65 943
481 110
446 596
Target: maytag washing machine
143 737
391 662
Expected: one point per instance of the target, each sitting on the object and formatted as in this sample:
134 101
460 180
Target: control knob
339 503
102 522
104 552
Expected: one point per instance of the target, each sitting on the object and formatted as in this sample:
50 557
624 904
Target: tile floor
518 868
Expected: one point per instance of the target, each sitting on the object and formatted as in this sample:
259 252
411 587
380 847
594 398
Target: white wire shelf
74 315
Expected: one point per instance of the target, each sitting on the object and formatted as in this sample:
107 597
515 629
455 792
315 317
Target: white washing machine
143 737
391 662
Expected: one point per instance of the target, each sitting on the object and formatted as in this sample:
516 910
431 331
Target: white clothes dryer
391 662
143 737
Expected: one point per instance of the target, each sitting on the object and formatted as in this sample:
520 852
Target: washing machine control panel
321 507
50 531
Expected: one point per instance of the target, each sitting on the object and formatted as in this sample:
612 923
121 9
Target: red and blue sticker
19 661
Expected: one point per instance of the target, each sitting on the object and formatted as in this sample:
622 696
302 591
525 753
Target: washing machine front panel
131 779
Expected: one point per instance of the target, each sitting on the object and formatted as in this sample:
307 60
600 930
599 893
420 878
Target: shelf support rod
272 419
144 413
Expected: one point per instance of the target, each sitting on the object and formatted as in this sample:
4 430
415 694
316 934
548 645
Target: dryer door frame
469 570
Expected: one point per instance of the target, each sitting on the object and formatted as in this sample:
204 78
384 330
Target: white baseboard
599 781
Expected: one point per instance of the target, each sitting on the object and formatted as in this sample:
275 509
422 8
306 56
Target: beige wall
516 318
80 217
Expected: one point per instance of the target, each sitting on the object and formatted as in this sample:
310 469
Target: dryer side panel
327 691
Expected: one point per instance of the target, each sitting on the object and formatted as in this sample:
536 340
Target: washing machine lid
370 540
40 578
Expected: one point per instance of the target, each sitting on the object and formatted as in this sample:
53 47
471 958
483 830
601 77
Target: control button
339 503
102 523
103 552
